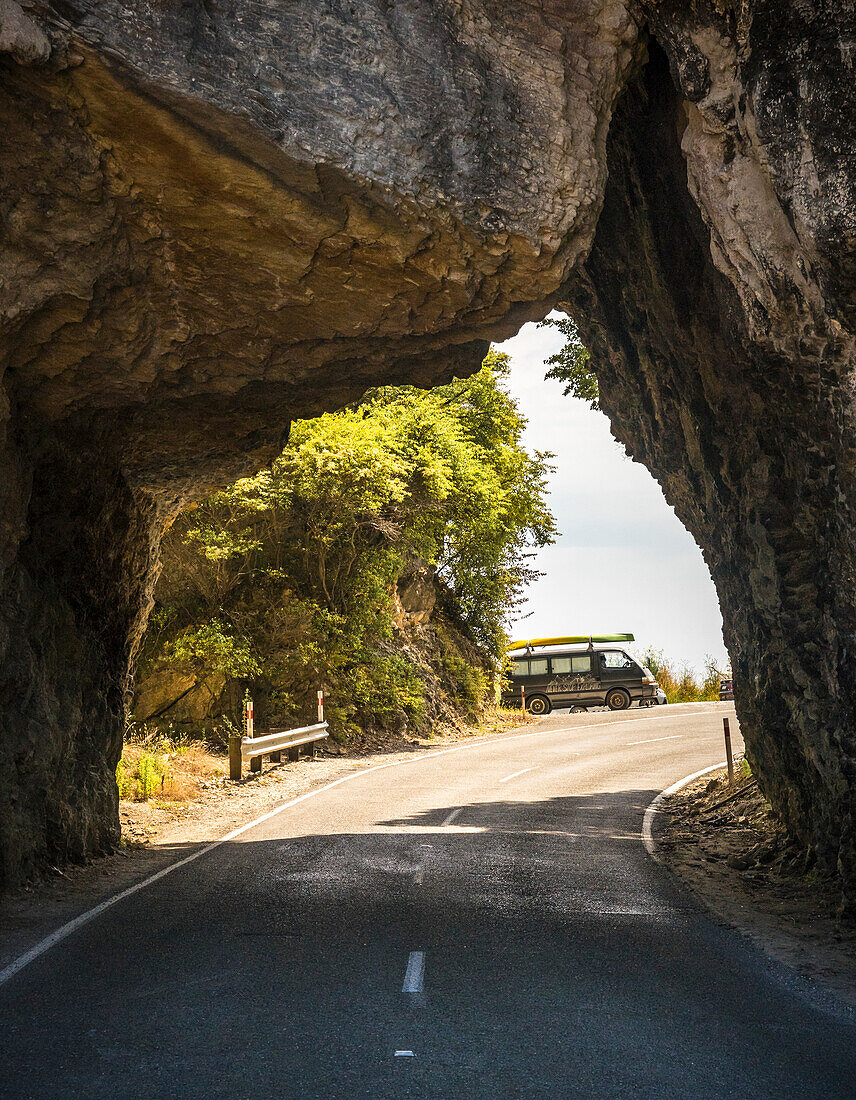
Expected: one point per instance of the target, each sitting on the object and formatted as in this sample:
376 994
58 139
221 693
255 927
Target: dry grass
166 770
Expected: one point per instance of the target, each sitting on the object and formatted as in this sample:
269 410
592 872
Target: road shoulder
733 855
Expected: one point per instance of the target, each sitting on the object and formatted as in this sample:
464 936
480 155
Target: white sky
623 562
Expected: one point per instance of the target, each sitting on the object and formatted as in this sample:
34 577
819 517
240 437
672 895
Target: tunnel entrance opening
195 251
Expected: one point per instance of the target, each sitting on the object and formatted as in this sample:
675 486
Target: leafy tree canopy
287 577
572 363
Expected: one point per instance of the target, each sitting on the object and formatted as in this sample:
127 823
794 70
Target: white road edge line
514 775
66 930
651 740
451 817
654 809
415 972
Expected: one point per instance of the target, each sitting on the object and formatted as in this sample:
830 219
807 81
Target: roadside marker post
235 760
728 755
235 756
320 706
523 698
256 762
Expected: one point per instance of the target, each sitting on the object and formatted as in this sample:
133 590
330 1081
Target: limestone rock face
718 300
221 214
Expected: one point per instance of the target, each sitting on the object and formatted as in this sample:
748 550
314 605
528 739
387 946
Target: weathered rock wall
718 300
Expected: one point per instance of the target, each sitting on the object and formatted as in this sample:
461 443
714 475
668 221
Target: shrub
141 774
284 581
154 764
680 683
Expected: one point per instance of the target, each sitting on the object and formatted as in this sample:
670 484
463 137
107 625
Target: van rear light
649 680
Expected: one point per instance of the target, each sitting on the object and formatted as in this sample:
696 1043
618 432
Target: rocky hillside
377 559
453 675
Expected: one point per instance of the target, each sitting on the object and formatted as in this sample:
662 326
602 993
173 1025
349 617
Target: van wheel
538 704
618 699
579 710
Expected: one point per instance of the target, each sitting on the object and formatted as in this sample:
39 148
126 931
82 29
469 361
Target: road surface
482 922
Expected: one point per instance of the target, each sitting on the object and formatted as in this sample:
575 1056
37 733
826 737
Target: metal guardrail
273 744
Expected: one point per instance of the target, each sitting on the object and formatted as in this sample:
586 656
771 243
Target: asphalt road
483 922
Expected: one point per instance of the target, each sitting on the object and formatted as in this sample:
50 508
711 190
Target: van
577 672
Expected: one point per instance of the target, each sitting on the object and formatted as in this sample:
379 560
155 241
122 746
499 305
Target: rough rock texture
719 303
219 214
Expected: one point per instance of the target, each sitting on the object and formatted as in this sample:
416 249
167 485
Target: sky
623 562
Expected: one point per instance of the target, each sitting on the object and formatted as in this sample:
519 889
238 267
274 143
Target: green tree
287 577
572 363
679 682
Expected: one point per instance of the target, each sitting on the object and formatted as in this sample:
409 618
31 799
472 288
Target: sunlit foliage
285 579
572 363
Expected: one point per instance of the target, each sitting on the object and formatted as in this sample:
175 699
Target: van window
612 658
522 667
575 665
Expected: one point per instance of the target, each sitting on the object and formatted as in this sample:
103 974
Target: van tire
618 699
538 704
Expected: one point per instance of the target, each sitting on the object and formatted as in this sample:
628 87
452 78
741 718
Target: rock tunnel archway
225 214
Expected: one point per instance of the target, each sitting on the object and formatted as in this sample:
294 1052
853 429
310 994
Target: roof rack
571 639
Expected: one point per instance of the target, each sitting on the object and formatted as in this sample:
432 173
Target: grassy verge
154 766
168 769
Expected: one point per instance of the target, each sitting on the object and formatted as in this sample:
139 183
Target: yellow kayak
571 639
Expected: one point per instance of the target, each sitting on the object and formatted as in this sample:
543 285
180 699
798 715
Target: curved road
477 922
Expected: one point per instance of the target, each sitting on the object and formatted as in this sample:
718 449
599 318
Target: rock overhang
310 197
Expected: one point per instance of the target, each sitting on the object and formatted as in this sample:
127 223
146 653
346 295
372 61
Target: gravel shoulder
734 855
157 833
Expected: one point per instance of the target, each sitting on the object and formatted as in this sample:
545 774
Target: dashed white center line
404 1054
514 775
651 740
451 817
415 973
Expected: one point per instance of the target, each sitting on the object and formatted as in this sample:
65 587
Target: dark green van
551 674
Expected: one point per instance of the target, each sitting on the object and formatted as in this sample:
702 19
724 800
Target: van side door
574 681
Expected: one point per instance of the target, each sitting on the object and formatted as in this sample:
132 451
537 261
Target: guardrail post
728 755
235 756
256 762
276 757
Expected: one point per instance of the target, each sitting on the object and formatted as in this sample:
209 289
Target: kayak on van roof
571 639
